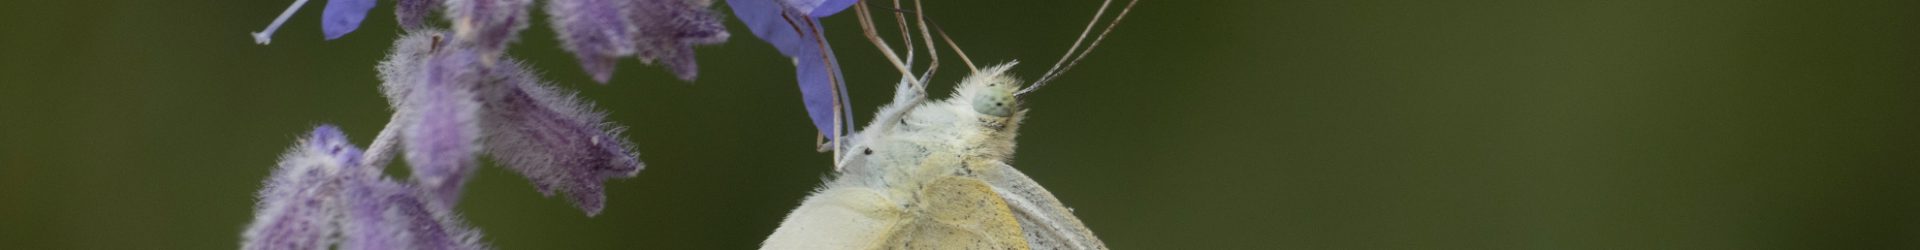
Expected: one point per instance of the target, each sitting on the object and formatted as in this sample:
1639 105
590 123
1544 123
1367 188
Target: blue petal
818 8
796 37
343 16
830 7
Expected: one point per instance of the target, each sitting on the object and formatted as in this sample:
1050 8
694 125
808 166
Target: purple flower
553 139
455 96
299 207
542 132
599 32
448 107
799 37
412 14
442 139
322 194
487 25
382 214
668 30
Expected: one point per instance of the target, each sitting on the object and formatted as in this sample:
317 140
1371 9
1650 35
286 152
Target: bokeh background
1652 124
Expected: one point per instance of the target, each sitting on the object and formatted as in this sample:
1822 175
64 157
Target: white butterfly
935 174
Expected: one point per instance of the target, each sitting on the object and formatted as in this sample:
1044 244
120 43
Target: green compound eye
997 103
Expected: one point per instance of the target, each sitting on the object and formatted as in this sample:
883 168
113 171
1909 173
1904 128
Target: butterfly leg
867 27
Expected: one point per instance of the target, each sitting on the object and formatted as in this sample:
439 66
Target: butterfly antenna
1061 66
956 48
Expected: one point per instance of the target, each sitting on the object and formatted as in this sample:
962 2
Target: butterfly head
991 91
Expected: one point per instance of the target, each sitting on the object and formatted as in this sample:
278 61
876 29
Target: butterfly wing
958 212
1047 223
838 218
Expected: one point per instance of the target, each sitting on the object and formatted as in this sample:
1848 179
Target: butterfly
936 174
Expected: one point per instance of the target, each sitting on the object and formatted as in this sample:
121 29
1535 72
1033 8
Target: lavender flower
382 214
599 32
412 14
442 139
799 37
455 95
321 189
553 139
527 125
298 208
487 25
670 28
448 106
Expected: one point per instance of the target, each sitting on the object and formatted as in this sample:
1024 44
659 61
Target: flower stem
381 151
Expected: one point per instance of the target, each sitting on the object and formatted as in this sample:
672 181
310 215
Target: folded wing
838 218
1047 223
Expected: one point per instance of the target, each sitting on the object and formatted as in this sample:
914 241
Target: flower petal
401 71
819 8
667 30
343 16
413 13
798 38
442 139
382 214
598 32
529 126
553 139
297 207
488 25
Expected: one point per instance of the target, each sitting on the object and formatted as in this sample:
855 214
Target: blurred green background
1199 125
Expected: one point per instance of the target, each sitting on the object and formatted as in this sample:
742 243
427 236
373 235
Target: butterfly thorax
957 136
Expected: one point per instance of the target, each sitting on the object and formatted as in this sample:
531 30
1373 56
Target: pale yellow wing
838 218
957 212
1048 224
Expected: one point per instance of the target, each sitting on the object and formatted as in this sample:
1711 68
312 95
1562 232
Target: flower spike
299 206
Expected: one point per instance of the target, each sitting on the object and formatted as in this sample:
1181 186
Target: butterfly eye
868 152
995 102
